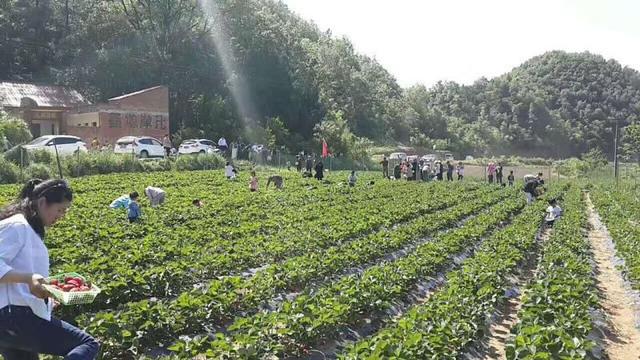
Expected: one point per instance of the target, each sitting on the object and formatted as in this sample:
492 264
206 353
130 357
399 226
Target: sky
425 41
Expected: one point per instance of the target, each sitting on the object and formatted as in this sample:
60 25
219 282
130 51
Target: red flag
325 149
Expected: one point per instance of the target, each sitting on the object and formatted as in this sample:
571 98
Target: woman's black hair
53 191
134 195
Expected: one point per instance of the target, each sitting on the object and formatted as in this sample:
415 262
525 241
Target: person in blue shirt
133 211
123 201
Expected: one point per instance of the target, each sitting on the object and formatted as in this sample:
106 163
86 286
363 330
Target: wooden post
58 160
21 164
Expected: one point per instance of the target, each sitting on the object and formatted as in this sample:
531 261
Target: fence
549 173
627 173
282 159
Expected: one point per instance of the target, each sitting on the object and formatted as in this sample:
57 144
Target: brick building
52 110
142 113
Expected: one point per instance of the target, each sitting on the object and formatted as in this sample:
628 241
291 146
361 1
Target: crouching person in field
156 195
27 327
123 201
230 171
554 211
277 180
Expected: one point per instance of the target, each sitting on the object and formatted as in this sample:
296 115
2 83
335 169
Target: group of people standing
422 170
495 174
308 164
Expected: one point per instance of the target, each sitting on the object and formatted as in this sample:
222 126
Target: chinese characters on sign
138 121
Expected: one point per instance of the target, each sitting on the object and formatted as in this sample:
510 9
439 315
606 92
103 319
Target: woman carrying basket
26 326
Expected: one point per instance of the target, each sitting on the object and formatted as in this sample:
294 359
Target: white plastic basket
72 298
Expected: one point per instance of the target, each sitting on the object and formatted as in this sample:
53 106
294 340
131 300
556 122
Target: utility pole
66 13
615 153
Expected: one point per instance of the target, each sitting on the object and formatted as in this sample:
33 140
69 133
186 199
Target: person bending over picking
532 188
27 328
277 180
123 201
156 195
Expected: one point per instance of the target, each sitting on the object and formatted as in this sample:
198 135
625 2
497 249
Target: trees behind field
259 72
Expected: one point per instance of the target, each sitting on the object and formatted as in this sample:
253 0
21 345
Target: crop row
620 211
173 260
555 319
456 315
311 318
227 217
196 311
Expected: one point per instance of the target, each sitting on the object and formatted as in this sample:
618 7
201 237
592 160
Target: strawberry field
390 269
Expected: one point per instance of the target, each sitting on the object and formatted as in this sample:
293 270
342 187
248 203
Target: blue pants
23 336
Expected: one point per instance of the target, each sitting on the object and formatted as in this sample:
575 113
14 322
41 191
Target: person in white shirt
554 211
27 328
156 195
222 144
352 179
230 171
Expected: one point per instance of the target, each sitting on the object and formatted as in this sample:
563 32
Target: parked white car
143 146
429 158
197 146
65 144
398 156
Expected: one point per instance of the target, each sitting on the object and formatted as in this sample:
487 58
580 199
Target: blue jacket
121 203
134 210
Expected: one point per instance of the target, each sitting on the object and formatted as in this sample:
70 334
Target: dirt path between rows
500 330
621 336
493 346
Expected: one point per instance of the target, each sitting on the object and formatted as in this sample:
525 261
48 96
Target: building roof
12 95
135 93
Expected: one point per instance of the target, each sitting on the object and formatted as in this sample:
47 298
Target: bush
200 162
38 171
13 131
129 163
29 157
101 163
15 157
9 172
156 165
41 157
